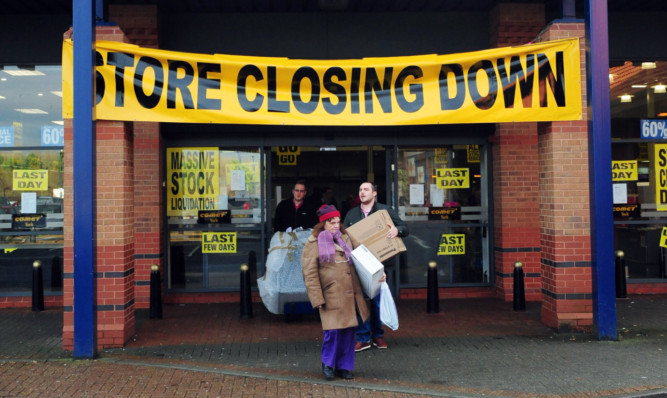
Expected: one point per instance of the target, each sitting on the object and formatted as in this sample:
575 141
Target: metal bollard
519 293
621 283
432 300
155 293
246 294
37 286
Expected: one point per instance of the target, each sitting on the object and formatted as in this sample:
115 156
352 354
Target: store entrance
330 173
221 205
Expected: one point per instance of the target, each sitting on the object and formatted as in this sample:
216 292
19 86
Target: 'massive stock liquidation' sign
534 82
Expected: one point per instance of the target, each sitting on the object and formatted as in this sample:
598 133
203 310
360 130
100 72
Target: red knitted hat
327 211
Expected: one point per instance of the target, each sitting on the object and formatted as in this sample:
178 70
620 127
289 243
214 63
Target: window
214 208
639 116
31 177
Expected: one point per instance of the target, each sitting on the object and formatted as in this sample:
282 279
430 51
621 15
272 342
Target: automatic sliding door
442 195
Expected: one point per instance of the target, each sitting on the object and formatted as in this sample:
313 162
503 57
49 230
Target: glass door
215 200
441 192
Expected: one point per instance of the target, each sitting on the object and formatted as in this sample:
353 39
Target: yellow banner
218 242
30 180
624 170
193 180
535 82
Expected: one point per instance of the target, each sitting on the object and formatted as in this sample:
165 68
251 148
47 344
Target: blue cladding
84 178
599 152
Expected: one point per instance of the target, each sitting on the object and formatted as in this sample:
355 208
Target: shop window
214 210
31 177
639 144
440 196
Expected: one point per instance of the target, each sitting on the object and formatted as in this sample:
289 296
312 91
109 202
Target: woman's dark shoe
328 371
344 374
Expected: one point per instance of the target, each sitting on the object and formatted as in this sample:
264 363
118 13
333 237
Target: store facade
526 197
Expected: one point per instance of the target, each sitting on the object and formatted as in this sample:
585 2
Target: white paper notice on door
416 194
238 180
620 194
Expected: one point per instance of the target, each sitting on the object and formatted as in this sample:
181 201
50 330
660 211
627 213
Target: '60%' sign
287 155
53 136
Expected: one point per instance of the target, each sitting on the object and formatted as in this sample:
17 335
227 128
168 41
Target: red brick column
515 167
115 234
148 205
565 211
516 208
139 23
114 212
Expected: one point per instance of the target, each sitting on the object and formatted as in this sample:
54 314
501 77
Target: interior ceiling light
32 111
1 97
611 78
662 114
57 93
659 89
58 122
23 72
639 85
626 98
648 65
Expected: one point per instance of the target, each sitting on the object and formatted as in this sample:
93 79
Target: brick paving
471 348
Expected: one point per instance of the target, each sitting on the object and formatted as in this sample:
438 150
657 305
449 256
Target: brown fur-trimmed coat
334 285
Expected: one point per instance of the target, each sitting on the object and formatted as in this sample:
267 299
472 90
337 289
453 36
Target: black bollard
621 283
56 273
156 293
519 293
246 294
432 300
37 287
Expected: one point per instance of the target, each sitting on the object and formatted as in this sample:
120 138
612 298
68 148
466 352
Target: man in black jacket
371 330
295 212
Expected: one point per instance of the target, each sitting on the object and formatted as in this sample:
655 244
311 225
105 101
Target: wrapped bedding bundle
283 281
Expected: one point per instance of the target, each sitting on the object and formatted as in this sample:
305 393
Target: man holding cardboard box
371 331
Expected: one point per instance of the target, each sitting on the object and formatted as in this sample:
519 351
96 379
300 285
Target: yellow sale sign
533 82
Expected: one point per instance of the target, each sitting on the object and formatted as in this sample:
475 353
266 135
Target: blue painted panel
599 152
85 345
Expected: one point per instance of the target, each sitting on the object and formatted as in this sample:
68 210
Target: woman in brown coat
333 287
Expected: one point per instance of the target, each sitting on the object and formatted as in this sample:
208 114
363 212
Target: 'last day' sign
30 180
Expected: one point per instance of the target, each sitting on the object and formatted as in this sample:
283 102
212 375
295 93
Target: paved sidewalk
471 348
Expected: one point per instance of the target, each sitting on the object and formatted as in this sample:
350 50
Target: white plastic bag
388 314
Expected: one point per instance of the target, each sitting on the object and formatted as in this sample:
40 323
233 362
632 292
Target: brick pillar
114 212
567 301
516 208
115 234
149 232
139 23
515 165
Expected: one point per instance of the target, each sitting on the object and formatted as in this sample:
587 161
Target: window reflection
31 176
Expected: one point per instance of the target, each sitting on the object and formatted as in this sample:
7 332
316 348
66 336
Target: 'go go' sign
287 155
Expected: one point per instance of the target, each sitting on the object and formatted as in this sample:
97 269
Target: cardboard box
369 269
372 233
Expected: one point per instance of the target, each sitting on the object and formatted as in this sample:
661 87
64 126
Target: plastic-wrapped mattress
283 281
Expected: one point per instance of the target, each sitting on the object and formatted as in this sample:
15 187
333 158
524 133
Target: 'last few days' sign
218 242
